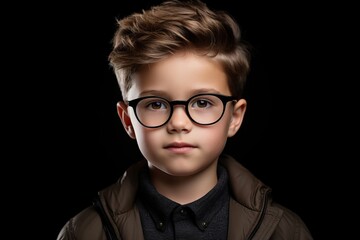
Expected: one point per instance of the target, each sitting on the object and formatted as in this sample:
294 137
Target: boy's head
173 26
181 69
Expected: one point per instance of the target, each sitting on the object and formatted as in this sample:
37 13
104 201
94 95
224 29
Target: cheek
147 139
215 136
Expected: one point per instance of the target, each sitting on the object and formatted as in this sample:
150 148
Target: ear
122 110
237 117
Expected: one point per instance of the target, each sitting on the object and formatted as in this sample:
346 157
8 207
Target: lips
180 147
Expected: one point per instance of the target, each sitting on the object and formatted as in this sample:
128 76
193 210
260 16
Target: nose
179 121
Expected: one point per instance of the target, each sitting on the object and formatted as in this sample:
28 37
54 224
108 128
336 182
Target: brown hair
172 26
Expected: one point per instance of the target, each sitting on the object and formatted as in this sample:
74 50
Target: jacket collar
245 187
248 190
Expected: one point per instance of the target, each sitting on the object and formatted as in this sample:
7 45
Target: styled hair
172 26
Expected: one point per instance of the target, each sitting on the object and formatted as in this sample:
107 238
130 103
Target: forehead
180 76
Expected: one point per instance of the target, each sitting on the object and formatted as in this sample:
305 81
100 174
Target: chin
182 171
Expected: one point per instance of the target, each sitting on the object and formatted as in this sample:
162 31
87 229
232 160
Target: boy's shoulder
84 225
117 199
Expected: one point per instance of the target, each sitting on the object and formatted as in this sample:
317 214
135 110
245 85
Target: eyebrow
205 90
166 95
152 93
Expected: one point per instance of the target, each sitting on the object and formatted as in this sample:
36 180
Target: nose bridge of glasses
179 103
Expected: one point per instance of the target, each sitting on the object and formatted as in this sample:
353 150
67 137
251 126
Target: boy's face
182 147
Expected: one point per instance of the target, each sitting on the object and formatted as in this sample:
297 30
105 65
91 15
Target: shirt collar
203 209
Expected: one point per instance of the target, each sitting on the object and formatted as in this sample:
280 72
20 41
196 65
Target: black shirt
205 218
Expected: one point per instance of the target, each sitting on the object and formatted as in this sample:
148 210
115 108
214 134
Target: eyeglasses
203 109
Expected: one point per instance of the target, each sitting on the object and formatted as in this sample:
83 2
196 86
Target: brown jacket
252 213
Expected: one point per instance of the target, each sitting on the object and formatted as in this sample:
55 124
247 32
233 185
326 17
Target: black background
72 141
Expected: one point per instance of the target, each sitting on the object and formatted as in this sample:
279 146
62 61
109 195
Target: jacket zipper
263 211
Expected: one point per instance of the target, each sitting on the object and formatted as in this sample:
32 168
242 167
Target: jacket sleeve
67 232
291 226
84 226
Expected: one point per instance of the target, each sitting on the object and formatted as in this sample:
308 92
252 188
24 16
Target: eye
155 104
201 103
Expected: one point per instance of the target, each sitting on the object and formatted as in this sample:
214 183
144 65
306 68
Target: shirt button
160 226
182 211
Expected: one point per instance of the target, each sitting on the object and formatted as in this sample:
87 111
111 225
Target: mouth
179 147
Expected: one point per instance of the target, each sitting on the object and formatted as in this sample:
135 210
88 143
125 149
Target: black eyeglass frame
224 99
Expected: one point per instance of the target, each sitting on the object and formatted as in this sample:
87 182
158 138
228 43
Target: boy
182 68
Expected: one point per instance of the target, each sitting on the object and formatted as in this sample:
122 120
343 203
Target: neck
184 189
